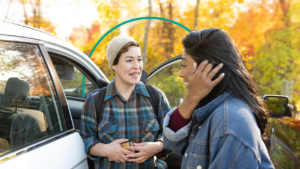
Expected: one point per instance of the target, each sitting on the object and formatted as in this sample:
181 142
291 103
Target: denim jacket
222 134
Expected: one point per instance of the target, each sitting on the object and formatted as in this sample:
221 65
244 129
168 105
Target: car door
166 78
281 138
36 127
71 78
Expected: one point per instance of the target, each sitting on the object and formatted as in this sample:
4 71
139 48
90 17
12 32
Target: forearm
187 107
99 150
159 146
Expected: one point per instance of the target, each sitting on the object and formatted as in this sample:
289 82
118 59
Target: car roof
51 42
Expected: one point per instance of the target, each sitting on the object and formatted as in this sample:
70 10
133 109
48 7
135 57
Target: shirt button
129 124
128 106
192 135
199 127
199 167
185 154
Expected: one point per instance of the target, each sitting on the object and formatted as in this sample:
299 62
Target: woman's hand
117 153
200 80
146 150
200 85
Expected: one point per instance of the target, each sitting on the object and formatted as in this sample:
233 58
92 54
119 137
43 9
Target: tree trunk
146 35
196 14
170 29
7 9
25 14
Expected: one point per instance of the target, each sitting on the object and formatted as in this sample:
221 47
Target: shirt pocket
150 128
197 155
107 131
196 161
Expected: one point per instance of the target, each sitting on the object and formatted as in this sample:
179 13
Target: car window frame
65 113
164 65
80 67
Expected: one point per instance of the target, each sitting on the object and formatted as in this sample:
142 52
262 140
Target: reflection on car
77 91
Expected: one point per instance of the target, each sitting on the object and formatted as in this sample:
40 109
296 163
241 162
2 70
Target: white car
37 128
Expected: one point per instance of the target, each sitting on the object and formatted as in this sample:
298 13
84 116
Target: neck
124 89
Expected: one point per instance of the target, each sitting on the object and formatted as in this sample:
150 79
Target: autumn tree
34 17
278 55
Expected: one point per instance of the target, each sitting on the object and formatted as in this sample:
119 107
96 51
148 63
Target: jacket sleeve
163 109
88 126
175 141
229 152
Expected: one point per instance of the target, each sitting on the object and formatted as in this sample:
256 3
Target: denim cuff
178 135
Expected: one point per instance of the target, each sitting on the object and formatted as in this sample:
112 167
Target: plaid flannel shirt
133 119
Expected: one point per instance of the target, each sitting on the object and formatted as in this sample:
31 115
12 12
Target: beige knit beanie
114 46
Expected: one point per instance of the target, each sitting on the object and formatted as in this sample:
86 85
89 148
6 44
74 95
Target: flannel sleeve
163 109
88 126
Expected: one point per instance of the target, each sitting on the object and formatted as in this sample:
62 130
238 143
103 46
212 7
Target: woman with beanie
127 115
220 121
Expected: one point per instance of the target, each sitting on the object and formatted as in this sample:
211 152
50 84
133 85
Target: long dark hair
214 45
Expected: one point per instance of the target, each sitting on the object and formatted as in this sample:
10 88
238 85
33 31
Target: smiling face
186 66
128 70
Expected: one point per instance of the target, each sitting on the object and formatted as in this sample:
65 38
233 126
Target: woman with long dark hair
220 122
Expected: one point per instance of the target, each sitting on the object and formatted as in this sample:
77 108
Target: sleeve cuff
172 135
177 121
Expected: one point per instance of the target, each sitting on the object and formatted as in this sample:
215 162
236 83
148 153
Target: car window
29 109
167 80
73 87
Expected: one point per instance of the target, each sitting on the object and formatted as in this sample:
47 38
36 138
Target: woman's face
186 66
129 69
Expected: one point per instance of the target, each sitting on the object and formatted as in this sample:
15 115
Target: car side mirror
277 105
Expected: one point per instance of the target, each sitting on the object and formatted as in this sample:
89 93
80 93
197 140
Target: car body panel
64 149
55 155
282 140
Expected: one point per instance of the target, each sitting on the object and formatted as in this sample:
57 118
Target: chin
133 82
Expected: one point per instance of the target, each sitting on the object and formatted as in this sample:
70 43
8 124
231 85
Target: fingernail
221 64
223 74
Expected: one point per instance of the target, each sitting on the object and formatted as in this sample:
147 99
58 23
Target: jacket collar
139 88
202 113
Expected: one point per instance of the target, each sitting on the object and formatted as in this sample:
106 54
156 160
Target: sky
64 14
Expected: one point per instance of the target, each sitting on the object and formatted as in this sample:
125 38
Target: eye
183 66
140 59
129 60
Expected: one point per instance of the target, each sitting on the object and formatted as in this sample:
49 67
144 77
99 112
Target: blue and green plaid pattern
133 119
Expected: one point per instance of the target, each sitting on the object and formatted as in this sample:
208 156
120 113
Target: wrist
100 149
160 146
192 99
187 107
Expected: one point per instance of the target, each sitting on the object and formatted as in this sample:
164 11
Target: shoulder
91 96
234 117
159 91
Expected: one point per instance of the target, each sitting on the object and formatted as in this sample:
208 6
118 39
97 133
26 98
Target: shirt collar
139 88
202 113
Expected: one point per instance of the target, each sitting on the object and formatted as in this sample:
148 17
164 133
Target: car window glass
29 109
168 81
74 87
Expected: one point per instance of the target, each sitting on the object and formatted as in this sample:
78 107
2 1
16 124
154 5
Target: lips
135 74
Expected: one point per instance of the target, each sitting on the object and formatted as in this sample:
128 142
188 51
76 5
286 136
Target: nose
181 73
137 64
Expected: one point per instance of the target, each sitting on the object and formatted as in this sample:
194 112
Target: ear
114 67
